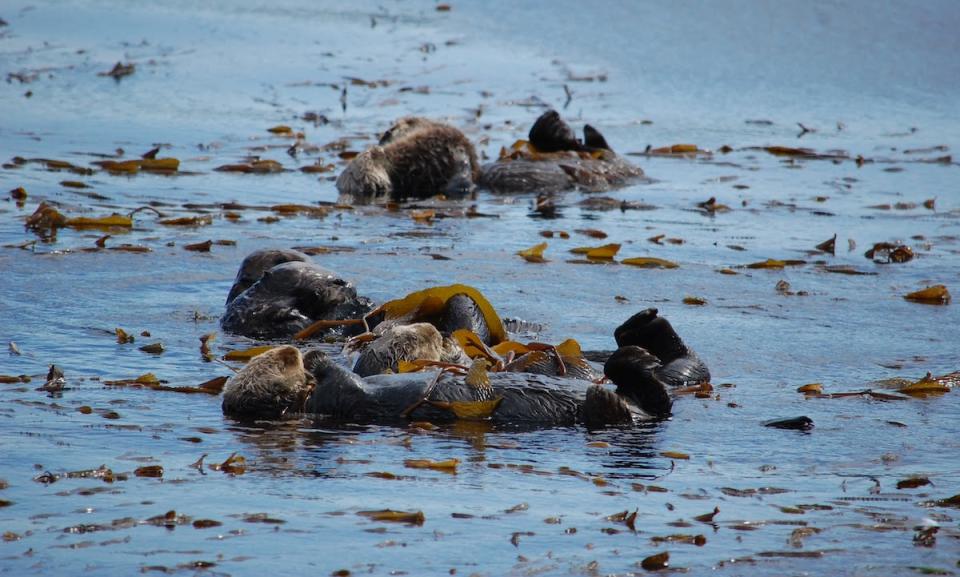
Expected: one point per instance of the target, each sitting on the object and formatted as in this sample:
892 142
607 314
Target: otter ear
593 139
551 134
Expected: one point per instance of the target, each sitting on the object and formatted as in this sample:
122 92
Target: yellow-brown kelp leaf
447 465
122 336
199 246
707 517
430 302
694 301
675 455
188 221
425 215
159 164
19 194
591 232
470 410
287 209
154 348
829 245
149 471
246 354
114 220
649 262
234 464
410 517
770 263
676 149
119 166
280 129
534 253
656 562
932 295
811 389
698 540
605 252
925 386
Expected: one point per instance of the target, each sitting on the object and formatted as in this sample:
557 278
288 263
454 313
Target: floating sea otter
286 381
553 159
280 292
416 158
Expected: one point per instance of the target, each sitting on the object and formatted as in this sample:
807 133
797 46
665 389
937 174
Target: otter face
259 262
271 384
367 177
400 343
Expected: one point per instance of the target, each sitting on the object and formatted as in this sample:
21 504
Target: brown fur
416 158
269 385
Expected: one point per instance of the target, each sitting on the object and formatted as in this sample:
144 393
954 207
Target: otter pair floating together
281 292
420 158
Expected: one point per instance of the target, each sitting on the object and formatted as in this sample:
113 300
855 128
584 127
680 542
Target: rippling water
877 80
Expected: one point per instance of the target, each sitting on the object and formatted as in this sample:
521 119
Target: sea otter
415 158
553 159
280 292
642 388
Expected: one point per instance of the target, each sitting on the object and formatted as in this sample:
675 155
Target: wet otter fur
270 385
557 160
407 343
680 366
287 297
415 158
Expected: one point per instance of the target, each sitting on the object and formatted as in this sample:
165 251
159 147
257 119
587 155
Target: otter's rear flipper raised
592 139
681 366
551 134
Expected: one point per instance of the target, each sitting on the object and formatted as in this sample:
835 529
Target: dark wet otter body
559 161
416 158
527 397
287 297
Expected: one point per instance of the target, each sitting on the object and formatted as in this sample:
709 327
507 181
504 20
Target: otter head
633 370
403 127
259 262
269 386
400 343
367 177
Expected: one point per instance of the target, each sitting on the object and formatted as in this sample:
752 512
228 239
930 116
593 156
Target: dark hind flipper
655 334
633 370
592 139
551 134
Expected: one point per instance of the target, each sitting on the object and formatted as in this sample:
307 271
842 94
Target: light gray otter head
415 158
269 386
406 343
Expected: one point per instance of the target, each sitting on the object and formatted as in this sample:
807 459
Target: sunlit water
872 79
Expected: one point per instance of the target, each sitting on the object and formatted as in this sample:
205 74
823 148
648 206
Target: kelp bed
783 253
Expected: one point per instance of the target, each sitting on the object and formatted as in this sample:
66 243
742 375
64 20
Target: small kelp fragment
318 168
153 348
149 471
656 562
775 264
802 423
246 354
591 232
932 295
409 517
711 206
698 540
424 215
925 386
649 262
948 502
694 301
19 194
188 221
119 70
144 379
470 410
199 246
846 269
913 483
234 464
253 167
888 252
287 209
114 220
626 517
447 466
280 129
9 379
675 455
707 517
605 252
206 523
829 245
676 149
123 337
534 253
811 389
430 302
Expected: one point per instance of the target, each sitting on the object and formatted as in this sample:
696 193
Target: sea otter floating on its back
415 158
553 159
